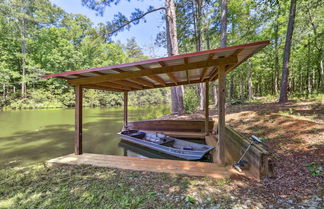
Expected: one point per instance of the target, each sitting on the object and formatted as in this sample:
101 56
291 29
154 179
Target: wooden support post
207 108
221 114
125 110
78 120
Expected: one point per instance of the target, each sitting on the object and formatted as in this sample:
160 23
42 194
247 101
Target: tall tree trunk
4 91
285 68
276 77
250 84
322 76
231 90
241 86
198 17
223 26
22 28
172 45
23 52
308 80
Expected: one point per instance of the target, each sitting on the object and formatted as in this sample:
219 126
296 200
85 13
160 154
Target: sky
145 32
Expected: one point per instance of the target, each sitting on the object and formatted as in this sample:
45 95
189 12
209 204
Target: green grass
38 186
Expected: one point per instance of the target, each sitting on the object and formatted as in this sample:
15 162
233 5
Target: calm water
37 135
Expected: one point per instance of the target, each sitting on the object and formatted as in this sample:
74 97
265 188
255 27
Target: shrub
191 100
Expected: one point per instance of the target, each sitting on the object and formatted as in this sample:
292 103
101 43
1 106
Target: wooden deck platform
146 164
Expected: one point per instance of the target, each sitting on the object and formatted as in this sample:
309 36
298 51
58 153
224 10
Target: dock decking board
145 164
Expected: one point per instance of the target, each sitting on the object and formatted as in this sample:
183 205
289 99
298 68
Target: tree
172 46
285 68
133 50
121 22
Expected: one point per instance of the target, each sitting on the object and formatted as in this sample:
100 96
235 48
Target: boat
165 144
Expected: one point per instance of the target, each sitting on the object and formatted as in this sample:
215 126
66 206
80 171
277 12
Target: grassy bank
38 186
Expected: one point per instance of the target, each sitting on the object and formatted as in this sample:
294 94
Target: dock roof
170 71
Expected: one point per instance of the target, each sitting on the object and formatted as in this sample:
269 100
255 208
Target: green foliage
58 42
315 169
191 100
190 199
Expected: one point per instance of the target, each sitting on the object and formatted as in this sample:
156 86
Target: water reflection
29 136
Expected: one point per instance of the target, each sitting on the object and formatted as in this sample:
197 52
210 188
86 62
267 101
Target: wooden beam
93 86
153 77
63 77
142 81
221 114
80 76
157 79
98 73
207 108
214 74
128 84
118 70
115 86
126 110
186 62
171 75
204 72
173 78
154 71
237 51
78 120
137 80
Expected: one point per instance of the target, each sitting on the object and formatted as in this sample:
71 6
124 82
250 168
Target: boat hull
198 152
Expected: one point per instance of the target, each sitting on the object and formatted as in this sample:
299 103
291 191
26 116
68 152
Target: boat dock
146 164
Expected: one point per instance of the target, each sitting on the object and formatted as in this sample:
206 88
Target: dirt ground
294 133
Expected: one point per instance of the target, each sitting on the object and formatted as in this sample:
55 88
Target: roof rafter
115 86
155 71
204 72
171 75
93 86
153 77
137 80
128 83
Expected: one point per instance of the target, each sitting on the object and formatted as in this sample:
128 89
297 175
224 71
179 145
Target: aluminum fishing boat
166 144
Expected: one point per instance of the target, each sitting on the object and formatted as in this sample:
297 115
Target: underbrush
58 98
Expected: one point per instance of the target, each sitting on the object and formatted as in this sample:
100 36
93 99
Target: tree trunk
285 68
276 77
231 90
172 44
23 52
308 80
322 76
223 26
241 86
250 84
4 91
215 90
22 28
198 16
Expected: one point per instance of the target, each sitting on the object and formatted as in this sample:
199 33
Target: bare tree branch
135 19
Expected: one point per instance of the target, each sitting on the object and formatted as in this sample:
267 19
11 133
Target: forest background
37 38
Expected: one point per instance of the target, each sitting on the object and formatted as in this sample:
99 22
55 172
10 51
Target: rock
217 206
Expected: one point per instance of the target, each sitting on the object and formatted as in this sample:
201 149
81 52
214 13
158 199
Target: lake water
37 135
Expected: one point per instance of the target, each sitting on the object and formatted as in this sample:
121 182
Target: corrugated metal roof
161 72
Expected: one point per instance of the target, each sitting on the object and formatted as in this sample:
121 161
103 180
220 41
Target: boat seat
178 134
